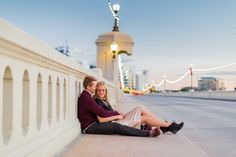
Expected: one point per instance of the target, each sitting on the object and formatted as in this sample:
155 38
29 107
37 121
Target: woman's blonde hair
101 83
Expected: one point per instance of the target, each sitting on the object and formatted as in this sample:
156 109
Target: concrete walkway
166 145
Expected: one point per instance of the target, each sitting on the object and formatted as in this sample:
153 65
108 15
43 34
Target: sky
169 35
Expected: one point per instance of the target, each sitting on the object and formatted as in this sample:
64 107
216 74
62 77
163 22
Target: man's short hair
88 81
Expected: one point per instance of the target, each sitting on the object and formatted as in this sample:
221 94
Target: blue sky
169 34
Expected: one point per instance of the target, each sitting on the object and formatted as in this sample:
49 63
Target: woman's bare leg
145 111
154 121
151 119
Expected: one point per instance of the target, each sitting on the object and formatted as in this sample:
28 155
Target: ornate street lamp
115 8
114 49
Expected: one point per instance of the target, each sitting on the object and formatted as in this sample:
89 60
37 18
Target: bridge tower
107 57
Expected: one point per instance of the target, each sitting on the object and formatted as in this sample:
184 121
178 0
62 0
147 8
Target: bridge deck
201 135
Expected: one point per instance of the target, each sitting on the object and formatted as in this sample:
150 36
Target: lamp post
164 83
191 74
116 9
114 48
153 86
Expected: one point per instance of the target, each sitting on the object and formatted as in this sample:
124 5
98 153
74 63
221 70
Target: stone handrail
39 88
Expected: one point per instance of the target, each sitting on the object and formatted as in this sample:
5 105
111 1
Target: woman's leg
150 118
154 121
145 111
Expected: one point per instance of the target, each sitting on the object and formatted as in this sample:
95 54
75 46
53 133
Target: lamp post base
115 29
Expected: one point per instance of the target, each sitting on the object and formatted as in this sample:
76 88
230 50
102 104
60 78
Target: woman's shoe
164 130
174 127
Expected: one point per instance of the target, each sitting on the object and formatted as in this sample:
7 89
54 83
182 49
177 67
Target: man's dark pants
115 128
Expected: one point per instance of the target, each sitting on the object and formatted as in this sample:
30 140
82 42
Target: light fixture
114 48
116 8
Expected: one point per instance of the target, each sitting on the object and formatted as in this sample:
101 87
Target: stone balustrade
39 88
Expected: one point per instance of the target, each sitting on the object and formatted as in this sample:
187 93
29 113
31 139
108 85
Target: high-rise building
141 80
129 78
74 53
146 76
128 73
210 83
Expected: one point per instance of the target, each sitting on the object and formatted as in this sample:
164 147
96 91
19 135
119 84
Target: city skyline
168 35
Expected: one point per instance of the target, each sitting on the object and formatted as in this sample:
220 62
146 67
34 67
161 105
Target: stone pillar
105 62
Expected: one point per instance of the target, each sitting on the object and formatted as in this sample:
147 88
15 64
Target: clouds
232 31
219 73
222 73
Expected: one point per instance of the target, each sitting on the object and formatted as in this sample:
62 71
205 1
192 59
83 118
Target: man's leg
115 128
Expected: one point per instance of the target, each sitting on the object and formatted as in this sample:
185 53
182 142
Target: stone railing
39 88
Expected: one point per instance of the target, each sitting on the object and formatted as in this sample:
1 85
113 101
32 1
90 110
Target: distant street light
191 74
164 83
114 49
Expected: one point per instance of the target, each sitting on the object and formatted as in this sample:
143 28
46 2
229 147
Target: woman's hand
111 118
120 116
120 113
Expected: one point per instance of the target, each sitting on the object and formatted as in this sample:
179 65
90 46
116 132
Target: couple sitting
98 117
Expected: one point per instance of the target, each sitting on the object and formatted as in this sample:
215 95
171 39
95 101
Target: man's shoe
146 127
154 132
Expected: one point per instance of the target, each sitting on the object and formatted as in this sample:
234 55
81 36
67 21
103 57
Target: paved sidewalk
166 145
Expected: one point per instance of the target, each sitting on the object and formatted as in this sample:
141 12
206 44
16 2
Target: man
88 111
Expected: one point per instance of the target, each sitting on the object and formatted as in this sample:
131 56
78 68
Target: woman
135 117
